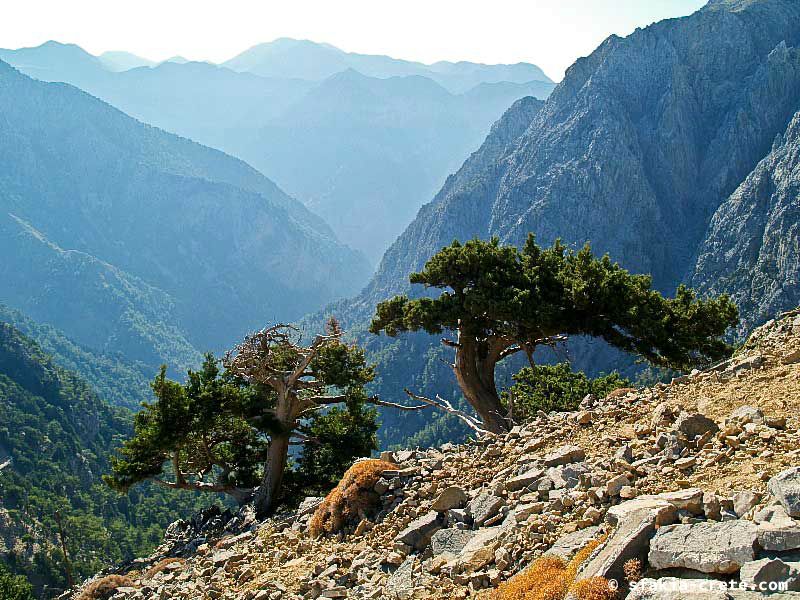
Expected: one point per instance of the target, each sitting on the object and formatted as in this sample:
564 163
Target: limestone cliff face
752 247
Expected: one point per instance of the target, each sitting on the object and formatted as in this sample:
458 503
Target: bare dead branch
472 422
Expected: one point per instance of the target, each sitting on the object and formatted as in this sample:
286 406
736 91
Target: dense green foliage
198 426
56 432
14 587
496 291
556 387
339 435
501 300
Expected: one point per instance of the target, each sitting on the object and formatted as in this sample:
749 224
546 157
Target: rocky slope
697 479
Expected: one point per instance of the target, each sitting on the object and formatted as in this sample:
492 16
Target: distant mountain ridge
132 239
287 57
362 150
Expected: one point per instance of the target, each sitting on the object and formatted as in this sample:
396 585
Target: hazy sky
550 33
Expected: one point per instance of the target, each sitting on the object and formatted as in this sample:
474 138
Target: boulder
708 547
528 478
663 416
711 506
449 498
777 531
567 545
743 502
564 456
694 424
690 499
769 570
521 512
479 551
624 453
450 541
406 581
785 487
635 521
485 506
746 414
615 484
418 533
567 476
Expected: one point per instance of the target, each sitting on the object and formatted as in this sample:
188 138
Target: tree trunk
266 495
475 377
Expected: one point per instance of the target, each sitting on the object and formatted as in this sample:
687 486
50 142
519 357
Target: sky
549 33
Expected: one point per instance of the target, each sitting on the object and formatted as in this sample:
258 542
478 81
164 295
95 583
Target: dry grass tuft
550 578
351 500
593 588
633 570
581 557
161 566
104 588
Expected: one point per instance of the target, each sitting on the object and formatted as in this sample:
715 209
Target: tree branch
472 422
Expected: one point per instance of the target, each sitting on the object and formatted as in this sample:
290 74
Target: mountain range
673 149
362 140
287 57
133 240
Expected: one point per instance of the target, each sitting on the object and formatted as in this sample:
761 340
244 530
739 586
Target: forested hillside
55 436
118 380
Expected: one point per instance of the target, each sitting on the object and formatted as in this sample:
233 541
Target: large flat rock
419 532
450 541
706 547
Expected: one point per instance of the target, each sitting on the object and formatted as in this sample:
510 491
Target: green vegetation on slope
556 387
56 432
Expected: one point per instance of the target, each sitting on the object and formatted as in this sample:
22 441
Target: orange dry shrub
550 578
582 556
351 499
543 580
161 565
104 588
593 588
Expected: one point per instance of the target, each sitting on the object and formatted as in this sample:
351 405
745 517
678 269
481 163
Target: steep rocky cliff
752 248
636 148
